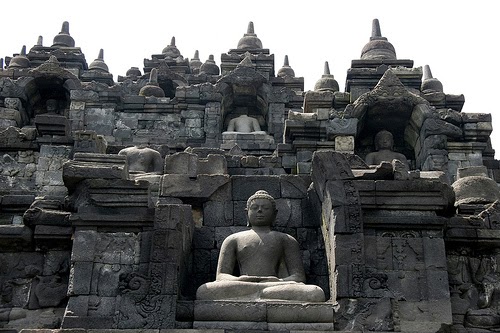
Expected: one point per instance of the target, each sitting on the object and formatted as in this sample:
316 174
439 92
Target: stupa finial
250 29
427 72
65 28
327 69
286 63
376 33
153 76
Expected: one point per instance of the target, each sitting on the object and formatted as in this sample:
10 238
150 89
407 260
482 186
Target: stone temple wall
115 197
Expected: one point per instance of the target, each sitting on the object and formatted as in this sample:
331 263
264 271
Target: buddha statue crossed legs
269 262
384 143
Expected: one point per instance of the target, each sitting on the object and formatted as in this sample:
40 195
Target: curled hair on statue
260 194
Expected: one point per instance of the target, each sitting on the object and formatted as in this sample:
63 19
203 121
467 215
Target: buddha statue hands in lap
244 124
384 143
269 262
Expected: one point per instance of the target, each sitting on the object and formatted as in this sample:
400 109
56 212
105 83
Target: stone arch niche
50 81
390 106
244 92
169 81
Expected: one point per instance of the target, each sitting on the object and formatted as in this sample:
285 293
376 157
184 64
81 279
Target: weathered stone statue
52 106
244 124
384 143
269 262
142 159
487 315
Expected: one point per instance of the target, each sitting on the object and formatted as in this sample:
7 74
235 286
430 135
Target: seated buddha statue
244 124
269 262
142 159
384 143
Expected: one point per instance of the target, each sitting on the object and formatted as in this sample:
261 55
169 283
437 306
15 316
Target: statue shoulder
286 238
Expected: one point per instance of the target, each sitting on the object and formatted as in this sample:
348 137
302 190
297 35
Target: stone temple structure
195 197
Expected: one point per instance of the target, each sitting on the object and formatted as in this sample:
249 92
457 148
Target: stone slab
301 327
203 186
230 325
300 313
230 311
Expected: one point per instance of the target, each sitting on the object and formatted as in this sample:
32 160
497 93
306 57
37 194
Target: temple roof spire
429 83
327 81
249 41
171 50
378 48
99 64
286 70
20 60
63 39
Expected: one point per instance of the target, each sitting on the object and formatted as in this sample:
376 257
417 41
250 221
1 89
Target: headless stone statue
143 160
244 124
384 142
269 262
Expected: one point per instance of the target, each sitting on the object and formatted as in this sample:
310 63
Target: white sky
457 39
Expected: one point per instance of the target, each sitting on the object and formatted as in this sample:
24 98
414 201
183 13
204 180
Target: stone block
230 326
218 213
304 156
339 126
300 313
239 213
245 186
424 316
201 261
344 144
433 126
293 186
76 171
434 253
345 246
420 113
172 216
289 161
301 327
212 165
11 115
250 161
438 285
77 306
475 159
472 171
84 245
84 96
182 163
304 168
204 238
457 156
181 185
323 113
221 311
329 165
80 278
194 122
71 322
